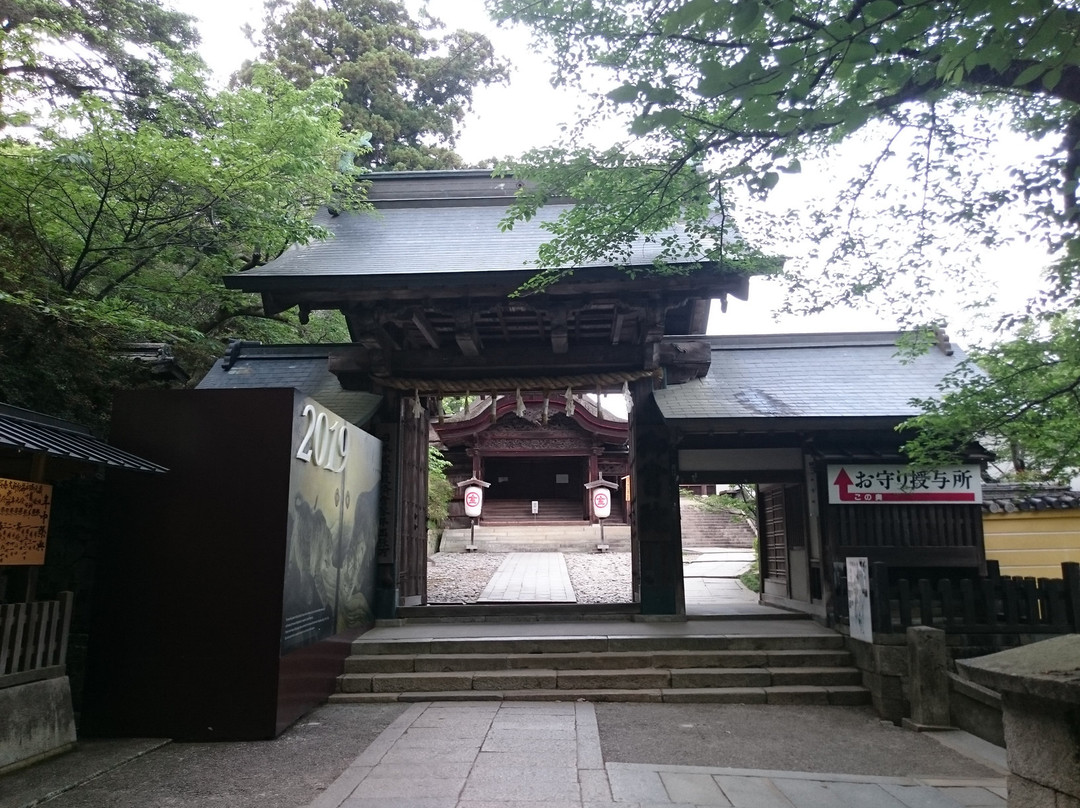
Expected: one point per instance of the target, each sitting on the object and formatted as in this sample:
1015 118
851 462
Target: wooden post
1070 574
655 525
880 609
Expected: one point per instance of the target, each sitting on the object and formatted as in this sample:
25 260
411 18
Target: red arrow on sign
843 485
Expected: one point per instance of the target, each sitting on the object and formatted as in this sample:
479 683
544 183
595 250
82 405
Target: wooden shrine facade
536 449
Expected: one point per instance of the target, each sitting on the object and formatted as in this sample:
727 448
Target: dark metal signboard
332 530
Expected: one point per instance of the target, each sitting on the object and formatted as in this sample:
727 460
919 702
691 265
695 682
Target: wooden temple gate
429 287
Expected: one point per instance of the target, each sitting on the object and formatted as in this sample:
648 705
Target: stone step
600 644
622 679
609 660
840 695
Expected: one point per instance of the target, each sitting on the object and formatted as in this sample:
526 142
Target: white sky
528 113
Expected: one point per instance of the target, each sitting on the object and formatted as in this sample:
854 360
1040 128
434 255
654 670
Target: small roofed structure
791 412
37 454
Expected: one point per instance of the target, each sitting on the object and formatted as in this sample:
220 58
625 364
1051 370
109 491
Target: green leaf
625 94
1030 73
686 15
877 10
747 15
783 10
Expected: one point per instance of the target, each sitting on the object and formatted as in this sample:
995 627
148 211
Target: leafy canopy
1024 394
749 89
403 80
121 231
125 50
912 100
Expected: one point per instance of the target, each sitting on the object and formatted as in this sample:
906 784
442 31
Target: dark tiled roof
808 376
434 241
1015 497
440 223
304 367
33 432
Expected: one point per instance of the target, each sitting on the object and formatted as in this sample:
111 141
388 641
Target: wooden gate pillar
656 538
401 559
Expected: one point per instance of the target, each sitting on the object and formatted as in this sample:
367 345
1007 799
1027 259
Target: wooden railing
968 605
34 639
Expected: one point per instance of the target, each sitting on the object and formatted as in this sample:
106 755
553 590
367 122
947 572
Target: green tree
58 50
1021 397
123 231
726 95
405 81
748 89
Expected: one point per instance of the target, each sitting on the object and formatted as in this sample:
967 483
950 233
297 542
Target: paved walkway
710 581
533 755
530 578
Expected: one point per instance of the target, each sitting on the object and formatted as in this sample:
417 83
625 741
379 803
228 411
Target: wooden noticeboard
24 522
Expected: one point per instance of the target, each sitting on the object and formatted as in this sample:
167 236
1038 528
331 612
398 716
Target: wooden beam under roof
426 329
465 334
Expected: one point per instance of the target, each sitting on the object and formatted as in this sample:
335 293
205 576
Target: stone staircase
737 669
579 538
706 529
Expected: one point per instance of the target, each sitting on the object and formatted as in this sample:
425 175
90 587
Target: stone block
354 683
892 660
715 695
709 659
848 696
630 679
888 687
796 695
1043 741
37 721
888 709
811 658
380 663
521 680
816 676
361 646
1025 794
447 663
720 677
403 682
929 676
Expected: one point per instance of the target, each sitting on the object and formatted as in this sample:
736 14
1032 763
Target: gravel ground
461 577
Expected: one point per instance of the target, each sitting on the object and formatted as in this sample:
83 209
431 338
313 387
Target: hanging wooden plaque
24 522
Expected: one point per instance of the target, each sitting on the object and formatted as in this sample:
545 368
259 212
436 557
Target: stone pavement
718 563
533 755
530 578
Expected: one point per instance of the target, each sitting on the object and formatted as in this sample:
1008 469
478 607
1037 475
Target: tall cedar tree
406 82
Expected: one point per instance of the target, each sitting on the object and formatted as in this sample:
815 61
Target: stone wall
885 670
38 722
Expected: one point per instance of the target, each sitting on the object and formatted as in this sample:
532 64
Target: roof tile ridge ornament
942 341
234 351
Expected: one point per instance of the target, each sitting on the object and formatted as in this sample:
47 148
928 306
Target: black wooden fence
969 605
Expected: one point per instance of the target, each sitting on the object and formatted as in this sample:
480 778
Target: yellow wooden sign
24 521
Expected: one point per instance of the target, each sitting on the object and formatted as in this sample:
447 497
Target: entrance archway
441 315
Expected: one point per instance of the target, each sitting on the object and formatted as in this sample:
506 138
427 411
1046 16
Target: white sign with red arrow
892 485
